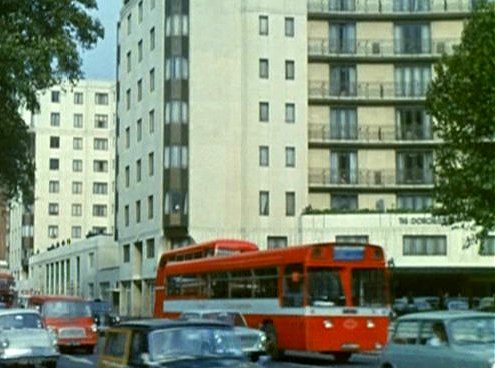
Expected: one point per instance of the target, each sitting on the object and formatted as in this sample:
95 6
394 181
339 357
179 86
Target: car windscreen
100 307
325 287
473 331
20 320
66 309
193 342
233 319
368 288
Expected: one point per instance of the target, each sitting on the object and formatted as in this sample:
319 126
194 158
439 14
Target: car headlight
4 343
53 336
94 327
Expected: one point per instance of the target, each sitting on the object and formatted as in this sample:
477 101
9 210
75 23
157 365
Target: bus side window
293 286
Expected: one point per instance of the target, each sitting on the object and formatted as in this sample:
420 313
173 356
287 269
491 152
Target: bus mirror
296 277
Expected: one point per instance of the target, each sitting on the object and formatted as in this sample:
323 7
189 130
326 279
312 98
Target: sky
99 63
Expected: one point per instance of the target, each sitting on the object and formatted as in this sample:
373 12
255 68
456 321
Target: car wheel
342 357
272 342
50 364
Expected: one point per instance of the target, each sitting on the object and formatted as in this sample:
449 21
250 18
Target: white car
252 340
24 340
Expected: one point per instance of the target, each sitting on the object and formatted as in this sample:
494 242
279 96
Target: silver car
446 339
252 340
25 341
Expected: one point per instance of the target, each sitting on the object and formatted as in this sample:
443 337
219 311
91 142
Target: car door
116 350
436 355
401 351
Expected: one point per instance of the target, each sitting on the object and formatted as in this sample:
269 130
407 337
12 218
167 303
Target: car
168 343
103 315
24 340
252 340
441 339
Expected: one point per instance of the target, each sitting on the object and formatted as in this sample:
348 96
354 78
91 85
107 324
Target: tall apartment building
74 148
211 134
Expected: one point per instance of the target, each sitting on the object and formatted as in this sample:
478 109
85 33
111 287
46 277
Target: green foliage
461 100
39 42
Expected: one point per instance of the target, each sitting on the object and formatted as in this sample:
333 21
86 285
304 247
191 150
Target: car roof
208 311
445 315
159 323
5 312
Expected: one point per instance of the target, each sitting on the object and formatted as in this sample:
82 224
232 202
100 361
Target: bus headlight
370 324
327 323
94 328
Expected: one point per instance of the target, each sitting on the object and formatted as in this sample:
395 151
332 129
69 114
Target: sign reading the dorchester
422 221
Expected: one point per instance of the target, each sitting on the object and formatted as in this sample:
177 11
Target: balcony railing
368 90
370 178
380 48
390 6
367 133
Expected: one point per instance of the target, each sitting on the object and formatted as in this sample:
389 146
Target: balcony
379 50
369 135
372 93
370 179
390 9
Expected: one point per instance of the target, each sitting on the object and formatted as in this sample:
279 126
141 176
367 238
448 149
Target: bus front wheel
272 342
342 357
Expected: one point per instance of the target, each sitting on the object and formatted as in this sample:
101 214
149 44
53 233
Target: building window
101 121
152 38
54 164
487 247
342 38
139 130
151 121
412 38
412 81
412 6
344 202
343 80
274 242
78 121
263 25
54 186
138 211
150 248
76 210
129 24
264 68
354 239
139 90
55 119
77 143
152 80
413 123
343 123
78 98
126 253
100 144
289 26
435 245
175 202
264 203
55 96
290 113
151 164
138 170
53 208
53 231
176 25
414 167
176 112
289 69
343 167
264 111
127 137
140 12
150 207
101 98
54 142
140 50
129 62
99 210
126 215
100 166
152 4
290 156
290 203
127 176
176 68
264 155
414 202
128 99
100 188
77 187
175 157
77 165
76 232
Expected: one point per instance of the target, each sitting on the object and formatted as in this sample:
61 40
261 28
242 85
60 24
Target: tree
461 99
39 47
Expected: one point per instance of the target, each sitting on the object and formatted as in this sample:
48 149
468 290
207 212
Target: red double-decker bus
328 298
7 285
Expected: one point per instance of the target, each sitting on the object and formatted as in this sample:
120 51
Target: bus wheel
271 342
342 357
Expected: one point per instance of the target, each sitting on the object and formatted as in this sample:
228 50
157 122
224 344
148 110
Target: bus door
291 328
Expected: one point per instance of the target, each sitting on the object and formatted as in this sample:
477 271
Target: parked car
25 340
168 343
442 339
252 340
103 315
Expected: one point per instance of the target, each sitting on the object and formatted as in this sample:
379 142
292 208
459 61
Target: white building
74 148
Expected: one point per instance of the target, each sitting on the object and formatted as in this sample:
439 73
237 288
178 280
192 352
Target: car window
406 332
433 333
20 320
473 330
138 347
115 345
